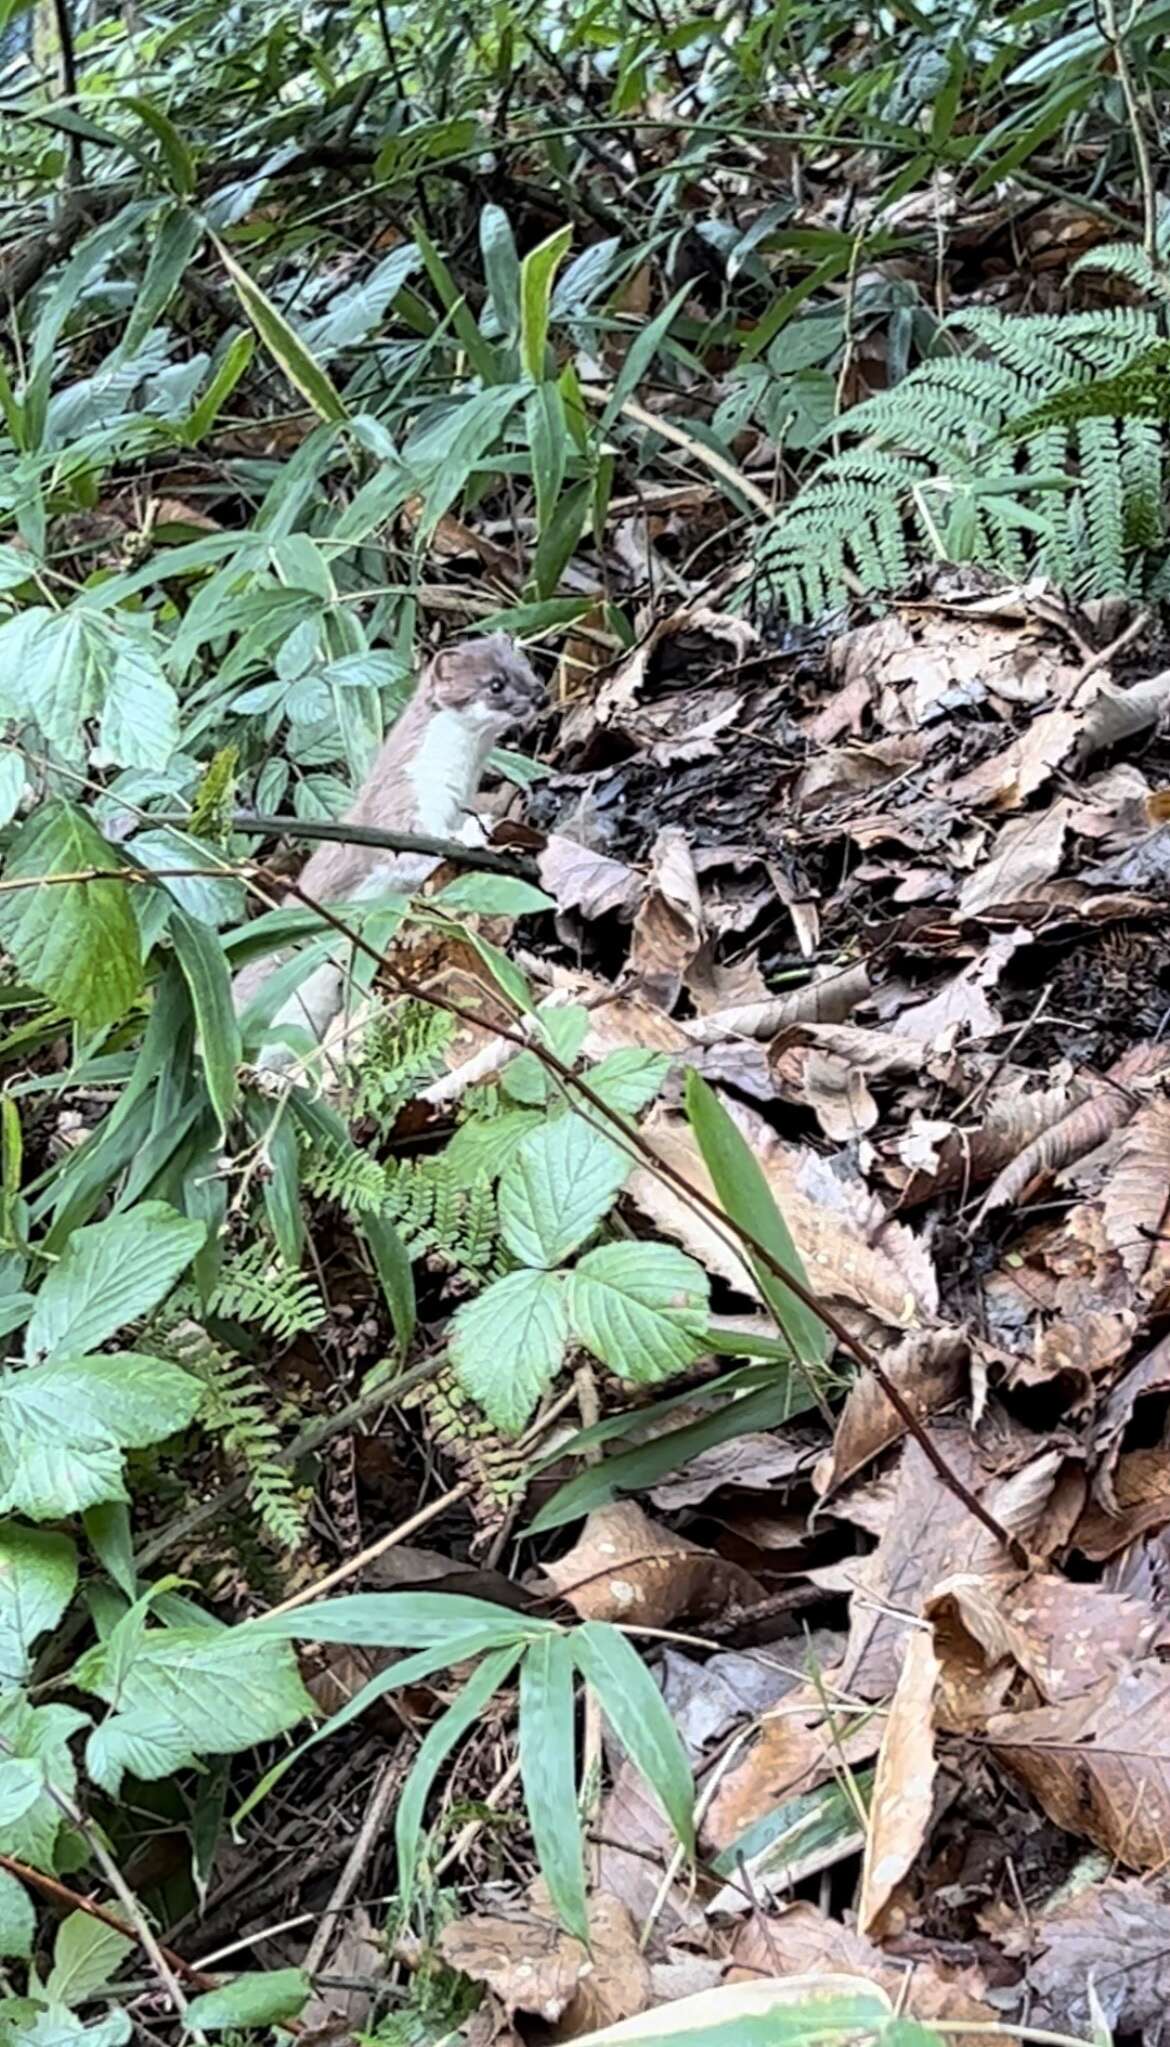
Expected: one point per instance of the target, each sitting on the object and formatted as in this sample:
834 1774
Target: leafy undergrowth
631 1501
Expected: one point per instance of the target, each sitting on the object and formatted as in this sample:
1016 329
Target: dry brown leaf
803 1942
1140 1501
1117 714
359 1952
531 1964
929 1535
834 1226
931 1156
582 879
1114 1935
753 1462
1136 1196
1080 1131
798 1747
669 927
1026 852
626 1567
830 1000
1007 779
929 1370
1099 1764
903 1785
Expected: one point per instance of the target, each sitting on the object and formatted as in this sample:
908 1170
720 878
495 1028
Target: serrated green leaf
16 567
140 717
212 898
641 1720
18 1919
549 1776
507 1345
437 1744
184 1693
54 667
747 1200
263 1997
36 1740
284 344
557 1187
640 1308
110 1273
75 941
86 1957
38 1576
217 1031
537 271
64 1425
107 1530
629 1078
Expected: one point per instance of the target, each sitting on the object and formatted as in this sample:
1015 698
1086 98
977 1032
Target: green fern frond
345 1175
1128 260
235 1408
257 1287
1035 451
402 1049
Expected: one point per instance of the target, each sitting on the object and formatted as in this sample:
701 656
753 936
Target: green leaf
13 776
107 1530
173 244
398 1620
392 1262
18 1920
537 271
493 895
64 1425
284 345
91 256
86 1956
437 1745
38 1576
56 667
202 417
501 268
262 1997
549 1775
36 1750
16 567
747 1200
209 897
110 1273
507 1345
75 941
639 356
205 970
556 1188
140 720
641 1720
175 153
480 353
640 1308
548 441
182 1693
629 1078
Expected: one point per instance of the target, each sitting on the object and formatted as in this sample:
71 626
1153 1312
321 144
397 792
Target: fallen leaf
1026 851
903 1787
626 1567
800 1744
752 1462
928 1369
668 928
1114 1936
802 1942
581 879
1136 1196
531 1964
1099 1764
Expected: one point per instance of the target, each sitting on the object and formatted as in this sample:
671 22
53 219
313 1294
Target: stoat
424 779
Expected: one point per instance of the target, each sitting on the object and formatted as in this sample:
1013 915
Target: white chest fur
446 769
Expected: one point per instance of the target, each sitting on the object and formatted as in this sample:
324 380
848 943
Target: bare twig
454 850
389 1779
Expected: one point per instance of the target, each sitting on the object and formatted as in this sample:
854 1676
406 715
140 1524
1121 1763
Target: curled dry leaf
1136 1196
1080 1131
626 1567
803 1942
530 1964
929 1368
669 927
903 1787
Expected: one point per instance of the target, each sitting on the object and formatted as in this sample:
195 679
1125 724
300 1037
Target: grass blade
548 1770
641 1720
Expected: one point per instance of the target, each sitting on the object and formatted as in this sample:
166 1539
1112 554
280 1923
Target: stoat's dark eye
497 685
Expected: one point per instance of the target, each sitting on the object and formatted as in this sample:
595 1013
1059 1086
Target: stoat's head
489 681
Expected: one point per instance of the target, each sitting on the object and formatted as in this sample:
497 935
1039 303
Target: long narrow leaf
747 1200
437 1746
205 970
284 345
640 1718
537 271
549 1775
397 1620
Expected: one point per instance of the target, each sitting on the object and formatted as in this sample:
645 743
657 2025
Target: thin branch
52 1887
69 83
280 827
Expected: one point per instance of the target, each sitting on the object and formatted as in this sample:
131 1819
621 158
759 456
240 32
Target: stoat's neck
446 767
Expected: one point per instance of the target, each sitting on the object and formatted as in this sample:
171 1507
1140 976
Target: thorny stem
61 1894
